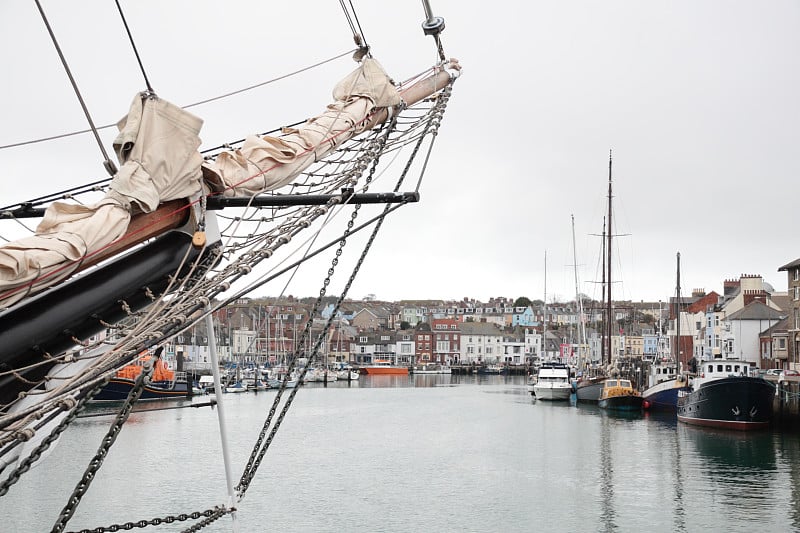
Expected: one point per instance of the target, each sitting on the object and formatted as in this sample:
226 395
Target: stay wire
212 99
358 32
135 50
107 163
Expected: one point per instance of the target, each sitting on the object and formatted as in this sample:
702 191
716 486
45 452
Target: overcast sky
697 99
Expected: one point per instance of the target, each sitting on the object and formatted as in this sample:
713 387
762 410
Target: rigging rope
201 102
211 275
135 50
109 165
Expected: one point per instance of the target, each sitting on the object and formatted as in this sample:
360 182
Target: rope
135 50
107 163
201 102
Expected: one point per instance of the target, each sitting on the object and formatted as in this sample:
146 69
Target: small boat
552 382
619 395
258 385
164 382
666 382
724 395
236 387
491 369
433 368
383 366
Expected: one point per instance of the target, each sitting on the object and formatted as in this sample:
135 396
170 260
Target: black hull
621 403
50 322
117 390
741 403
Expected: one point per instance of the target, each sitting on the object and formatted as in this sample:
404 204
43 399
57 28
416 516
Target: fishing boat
552 382
383 367
724 395
146 254
666 380
163 384
619 395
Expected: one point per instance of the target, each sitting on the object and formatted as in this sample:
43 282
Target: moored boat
382 366
724 395
665 383
588 389
618 394
433 368
552 382
164 383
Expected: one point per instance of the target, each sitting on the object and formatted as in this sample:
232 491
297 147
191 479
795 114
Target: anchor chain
254 461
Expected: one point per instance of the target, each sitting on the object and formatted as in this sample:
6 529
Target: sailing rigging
156 254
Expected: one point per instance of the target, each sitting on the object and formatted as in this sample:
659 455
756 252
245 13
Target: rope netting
255 245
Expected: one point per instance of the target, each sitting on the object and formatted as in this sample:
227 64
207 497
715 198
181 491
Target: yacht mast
678 313
544 321
608 264
578 299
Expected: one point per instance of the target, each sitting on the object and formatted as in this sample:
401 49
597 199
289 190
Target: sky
697 101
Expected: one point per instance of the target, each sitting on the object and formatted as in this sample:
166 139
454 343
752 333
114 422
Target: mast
603 285
544 322
608 264
678 313
578 299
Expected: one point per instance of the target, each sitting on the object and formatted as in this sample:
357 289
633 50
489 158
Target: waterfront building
481 342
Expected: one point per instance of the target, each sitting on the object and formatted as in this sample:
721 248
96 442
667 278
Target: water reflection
607 512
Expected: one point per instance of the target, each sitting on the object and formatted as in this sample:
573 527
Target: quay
504 370
786 408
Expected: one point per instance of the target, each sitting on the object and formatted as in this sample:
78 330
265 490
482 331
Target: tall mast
603 285
578 300
544 322
608 262
678 313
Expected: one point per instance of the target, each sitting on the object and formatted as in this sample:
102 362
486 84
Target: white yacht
552 382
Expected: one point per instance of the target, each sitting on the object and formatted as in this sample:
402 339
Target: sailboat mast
608 262
544 321
678 313
603 285
578 300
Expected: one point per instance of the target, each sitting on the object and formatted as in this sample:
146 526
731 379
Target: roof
757 310
787 266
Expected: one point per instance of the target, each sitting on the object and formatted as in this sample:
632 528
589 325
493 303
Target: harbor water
419 453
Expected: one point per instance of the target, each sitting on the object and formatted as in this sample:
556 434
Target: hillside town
746 319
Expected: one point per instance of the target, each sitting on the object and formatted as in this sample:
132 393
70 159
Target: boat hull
117 390
589 390
737 402
384 370
621 403
664 396
552 391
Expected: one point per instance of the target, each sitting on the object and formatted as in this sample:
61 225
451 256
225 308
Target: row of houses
748 319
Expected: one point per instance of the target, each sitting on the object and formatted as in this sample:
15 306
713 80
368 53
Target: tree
405 325
522 301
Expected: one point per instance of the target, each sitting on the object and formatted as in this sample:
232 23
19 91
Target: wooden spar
144 226
417 92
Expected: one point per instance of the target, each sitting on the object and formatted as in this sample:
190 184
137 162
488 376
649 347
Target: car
774 372
790 373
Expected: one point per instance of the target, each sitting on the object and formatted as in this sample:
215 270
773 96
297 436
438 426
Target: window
781 343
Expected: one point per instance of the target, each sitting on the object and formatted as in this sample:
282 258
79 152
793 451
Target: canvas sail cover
158 151
270 162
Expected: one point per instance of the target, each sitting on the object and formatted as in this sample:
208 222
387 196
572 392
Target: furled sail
157 148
